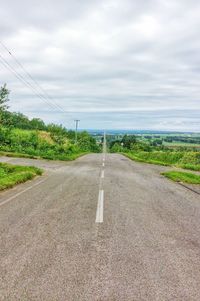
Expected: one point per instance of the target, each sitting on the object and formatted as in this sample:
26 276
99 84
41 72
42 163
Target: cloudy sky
113 64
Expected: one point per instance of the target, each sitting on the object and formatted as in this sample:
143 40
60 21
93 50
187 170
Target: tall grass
11 175
186 160
39 144
185 177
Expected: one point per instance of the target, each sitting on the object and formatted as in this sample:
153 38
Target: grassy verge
185 177
65 157
11 175
18 155
61 157
145 160
185 160
195 167
76 156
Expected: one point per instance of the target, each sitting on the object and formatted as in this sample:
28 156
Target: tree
4 93
116 147
87 142
37 124
157 142
128 140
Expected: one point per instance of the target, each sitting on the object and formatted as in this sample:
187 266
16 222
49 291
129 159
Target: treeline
127 143
192 140
18 120
45 144
33 137
141 151
136 143
21 121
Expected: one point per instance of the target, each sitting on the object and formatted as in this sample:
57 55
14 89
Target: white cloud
106 57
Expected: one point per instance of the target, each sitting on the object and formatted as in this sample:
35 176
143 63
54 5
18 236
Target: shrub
191 158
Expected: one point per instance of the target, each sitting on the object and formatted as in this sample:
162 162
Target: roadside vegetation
185 177
154 153
11 175
32 138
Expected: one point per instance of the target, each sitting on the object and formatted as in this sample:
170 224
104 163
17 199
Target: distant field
178 140
184 144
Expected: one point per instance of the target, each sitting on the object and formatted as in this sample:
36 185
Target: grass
61 157
11 175
185 177
195 167
18 155
134 157
177 143
38 144
181 159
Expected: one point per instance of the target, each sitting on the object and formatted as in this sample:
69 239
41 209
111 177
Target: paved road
78 233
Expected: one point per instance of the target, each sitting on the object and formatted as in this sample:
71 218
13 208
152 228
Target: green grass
178 143
11 175
61 157
134 157
185 177
185 160
18 155
195 167
35 144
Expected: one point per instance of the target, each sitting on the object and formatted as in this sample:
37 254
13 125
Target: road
101 228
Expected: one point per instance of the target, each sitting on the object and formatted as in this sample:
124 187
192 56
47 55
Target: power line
20 78
76 132
46 98
30 76
26 83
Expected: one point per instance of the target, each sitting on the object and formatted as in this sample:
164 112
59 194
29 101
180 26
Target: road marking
102 174
103 159
103 164
99 213
21 192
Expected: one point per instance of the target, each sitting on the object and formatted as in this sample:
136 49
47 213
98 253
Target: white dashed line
99 213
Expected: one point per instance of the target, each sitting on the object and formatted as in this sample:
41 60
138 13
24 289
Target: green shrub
35 144
186 160
160 156
191 158
11 175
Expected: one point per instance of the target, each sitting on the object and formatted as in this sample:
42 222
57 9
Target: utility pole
104 142
76 122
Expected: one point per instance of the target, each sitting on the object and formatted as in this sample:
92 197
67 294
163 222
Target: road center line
102 174
21 192
99 212
103 164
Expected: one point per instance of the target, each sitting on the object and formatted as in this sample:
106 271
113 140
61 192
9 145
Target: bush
116 148
15 174
186 160
160 156
191 158
40 144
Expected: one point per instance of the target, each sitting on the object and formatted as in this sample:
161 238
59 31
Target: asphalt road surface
100 228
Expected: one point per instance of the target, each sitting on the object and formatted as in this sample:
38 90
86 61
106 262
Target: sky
113 64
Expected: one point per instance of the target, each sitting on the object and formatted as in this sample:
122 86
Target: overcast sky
114 64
